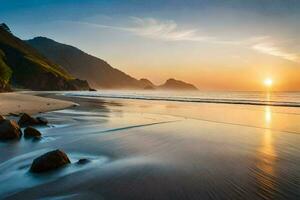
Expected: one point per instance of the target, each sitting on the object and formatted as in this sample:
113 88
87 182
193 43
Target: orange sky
221 73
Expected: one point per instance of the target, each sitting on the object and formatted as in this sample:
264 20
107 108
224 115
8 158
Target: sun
268 82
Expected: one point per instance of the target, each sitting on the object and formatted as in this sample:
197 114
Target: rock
83 161
92 90
31 132
36 138
27 120
49 161
42 120
9 130
14 114
2 118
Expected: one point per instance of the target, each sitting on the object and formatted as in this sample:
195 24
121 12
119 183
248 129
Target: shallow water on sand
160 150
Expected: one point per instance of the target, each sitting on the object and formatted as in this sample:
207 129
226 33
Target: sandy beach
159 150
16 103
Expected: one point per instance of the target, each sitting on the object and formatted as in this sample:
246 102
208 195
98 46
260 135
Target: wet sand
17 102
160 150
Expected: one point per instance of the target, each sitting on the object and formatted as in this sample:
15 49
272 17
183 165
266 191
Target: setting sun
268 82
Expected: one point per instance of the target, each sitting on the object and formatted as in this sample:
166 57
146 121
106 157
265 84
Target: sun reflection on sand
266 155
268 116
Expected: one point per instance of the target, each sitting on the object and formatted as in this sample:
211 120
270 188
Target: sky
213 44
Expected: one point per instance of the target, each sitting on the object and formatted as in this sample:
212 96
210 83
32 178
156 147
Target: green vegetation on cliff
23 66
5 71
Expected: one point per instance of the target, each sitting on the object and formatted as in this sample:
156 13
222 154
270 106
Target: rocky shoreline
11 130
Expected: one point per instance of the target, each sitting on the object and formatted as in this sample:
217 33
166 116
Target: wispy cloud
271 49
168 30
165 30
156 29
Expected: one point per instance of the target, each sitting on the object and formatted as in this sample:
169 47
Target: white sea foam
288 99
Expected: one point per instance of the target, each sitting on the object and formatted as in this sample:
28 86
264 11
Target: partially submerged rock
42 120
83 161
27 120
36 138
9 130
14 114
2 118
31 132
49 161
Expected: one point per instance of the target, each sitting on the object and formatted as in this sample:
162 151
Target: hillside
84 66
172 84
96 71
5 73
24 67
146 84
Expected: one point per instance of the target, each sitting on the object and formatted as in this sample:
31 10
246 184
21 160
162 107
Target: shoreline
145 144
17 102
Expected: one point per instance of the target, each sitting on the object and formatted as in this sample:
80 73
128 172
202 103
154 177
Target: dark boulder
9 130
49 161
83 161
42 120
27 120
30 132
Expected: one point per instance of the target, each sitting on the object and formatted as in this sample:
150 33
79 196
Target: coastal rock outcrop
49 161
27 120
2 118
173 84
31 132
9 130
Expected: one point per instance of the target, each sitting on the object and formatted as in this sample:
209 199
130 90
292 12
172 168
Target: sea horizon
263 98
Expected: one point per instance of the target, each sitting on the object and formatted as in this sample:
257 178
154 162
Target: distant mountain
23 66
96 71
146 84
82 65
173 84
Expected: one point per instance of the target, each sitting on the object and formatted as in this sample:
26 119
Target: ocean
163 145
289 99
